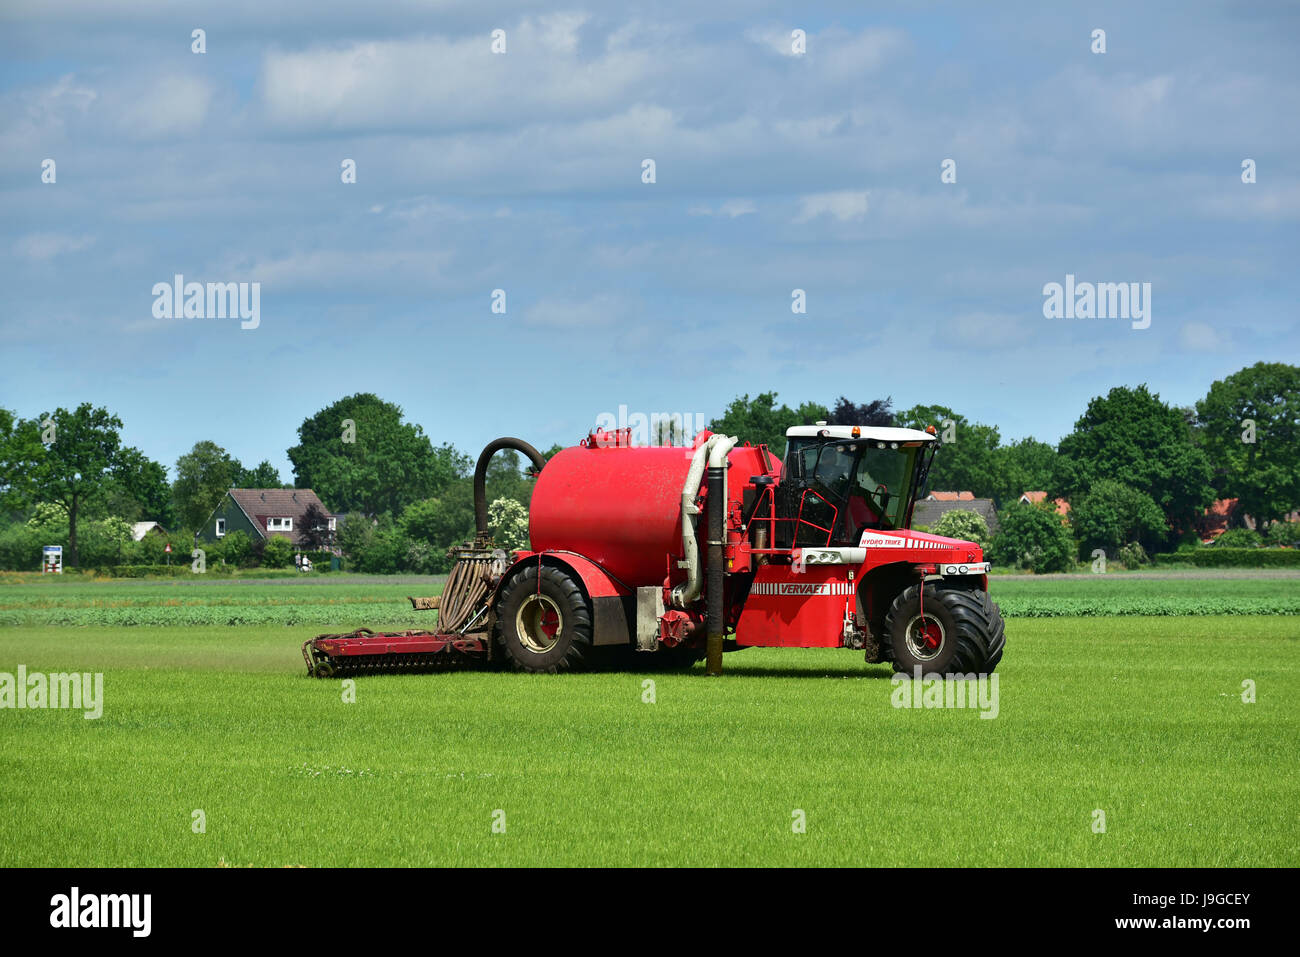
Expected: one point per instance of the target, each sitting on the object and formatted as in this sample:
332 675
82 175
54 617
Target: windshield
868 486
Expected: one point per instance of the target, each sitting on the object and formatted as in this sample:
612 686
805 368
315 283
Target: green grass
349 601
1139 717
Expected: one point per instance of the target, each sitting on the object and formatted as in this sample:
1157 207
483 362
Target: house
1219 517
140 529
263 512
1037 498
931 508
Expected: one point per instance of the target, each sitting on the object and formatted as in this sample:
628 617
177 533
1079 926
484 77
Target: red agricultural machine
666 556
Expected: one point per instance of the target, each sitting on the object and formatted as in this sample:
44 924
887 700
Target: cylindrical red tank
621 506
618 506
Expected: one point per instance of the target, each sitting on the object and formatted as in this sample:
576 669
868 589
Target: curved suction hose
480 475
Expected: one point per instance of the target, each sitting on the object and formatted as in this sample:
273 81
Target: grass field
1140 717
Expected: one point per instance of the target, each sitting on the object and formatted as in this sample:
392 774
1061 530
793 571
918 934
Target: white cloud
844 205
1201 337
437 81
41 247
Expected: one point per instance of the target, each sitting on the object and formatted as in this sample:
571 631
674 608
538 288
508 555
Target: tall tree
1133 437
137 489
203 476
85 451
760 420
878 412
965 460
264 475
1249 423
315 531
20 449
1023 466
358 455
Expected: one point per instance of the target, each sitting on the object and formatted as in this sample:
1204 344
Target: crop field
1120 695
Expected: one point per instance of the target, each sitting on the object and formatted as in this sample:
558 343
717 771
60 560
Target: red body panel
786 609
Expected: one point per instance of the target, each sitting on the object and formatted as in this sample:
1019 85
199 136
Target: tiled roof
927 512
951 497
259 504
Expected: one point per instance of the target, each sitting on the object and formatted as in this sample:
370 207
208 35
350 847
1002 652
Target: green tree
1019 467
264 475
1033 537
965 460
359 455
440 522
203 476
1133 437
85 451
963 525
20 450
1258 465
760 421
138 490
1111 514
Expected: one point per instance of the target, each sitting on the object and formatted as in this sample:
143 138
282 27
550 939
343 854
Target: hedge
1235 557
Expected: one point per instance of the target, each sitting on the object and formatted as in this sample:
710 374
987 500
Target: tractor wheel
961 633
546 628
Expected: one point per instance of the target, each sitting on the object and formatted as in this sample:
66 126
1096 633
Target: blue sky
522 172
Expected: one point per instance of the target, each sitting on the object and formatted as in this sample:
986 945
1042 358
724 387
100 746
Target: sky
523 171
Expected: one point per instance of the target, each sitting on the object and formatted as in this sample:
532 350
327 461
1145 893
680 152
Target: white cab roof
878 433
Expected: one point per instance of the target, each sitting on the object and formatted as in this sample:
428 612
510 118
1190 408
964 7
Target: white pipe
713 452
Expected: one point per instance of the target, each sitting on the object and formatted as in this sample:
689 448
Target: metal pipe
716 543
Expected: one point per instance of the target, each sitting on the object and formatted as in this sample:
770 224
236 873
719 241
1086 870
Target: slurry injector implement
666 556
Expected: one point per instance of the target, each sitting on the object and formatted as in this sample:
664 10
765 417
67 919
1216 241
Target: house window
332 521
221 527
279 525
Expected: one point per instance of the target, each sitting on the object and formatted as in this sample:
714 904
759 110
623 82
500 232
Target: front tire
961 631
544 628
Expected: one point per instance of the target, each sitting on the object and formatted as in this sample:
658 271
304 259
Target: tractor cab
840 481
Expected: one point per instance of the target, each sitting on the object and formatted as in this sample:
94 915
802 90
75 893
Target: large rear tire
961 632
543 628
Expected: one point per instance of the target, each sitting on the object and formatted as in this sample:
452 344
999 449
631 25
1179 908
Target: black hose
480 475
717 506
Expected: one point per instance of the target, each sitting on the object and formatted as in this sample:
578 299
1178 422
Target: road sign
52 560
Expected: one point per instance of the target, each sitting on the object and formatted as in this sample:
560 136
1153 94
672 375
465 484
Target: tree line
1134 468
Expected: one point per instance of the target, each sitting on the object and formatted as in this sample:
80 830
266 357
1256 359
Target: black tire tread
980 631
578 656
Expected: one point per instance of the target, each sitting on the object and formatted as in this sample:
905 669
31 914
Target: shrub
1033 537
962 524
1283 535
1238 538
1237 557
236 548
278 552
1133 555
508 523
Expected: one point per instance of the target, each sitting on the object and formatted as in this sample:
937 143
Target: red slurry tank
620 505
